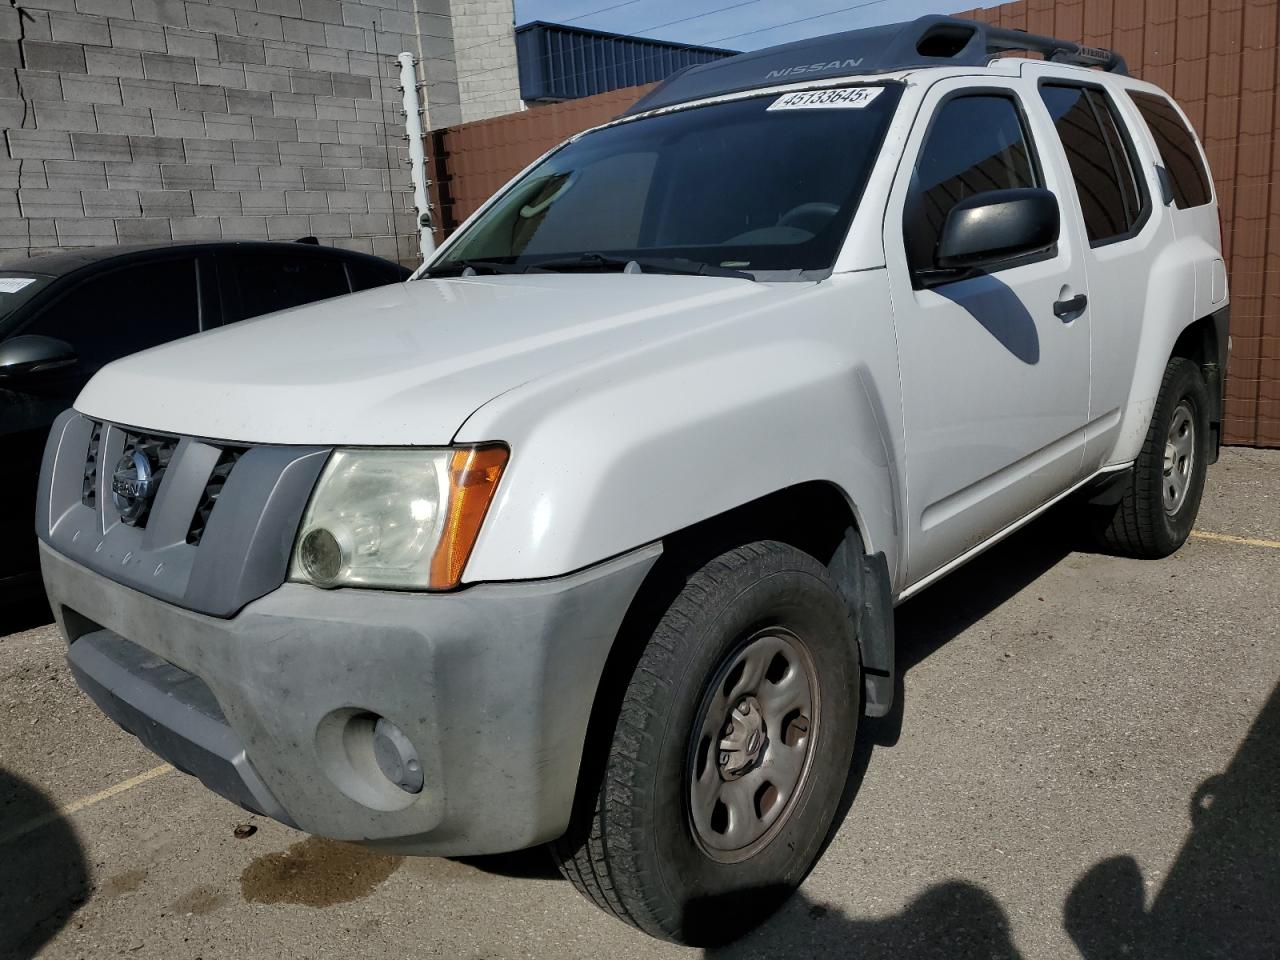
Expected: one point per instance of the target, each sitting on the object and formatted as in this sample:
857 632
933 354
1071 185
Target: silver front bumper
493 685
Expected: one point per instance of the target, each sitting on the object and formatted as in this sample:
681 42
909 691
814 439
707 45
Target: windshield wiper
457 267
598 261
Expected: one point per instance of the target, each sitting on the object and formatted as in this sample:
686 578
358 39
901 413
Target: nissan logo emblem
132 486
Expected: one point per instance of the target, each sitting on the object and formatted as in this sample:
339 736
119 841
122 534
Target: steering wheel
809 216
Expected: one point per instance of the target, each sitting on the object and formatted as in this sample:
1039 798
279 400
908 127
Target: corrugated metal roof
563 63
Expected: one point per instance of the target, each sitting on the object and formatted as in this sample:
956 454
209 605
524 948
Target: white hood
404 364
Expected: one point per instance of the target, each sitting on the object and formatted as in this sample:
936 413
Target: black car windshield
765 187
16 288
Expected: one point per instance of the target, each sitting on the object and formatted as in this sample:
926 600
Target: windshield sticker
14 284
846 98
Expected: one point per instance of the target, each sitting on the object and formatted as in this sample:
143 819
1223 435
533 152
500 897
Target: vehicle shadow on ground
43 875
25 613
1221 897
951 921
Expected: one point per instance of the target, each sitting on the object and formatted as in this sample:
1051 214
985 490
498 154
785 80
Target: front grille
89 487
217 536
212 489
159 451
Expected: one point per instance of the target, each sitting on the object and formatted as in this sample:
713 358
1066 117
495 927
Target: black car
66 315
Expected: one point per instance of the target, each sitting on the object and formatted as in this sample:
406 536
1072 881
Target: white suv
590 534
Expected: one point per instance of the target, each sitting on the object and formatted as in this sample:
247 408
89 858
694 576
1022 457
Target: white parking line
1228 538
78 805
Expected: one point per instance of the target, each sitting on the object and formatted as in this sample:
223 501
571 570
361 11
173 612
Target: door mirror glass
30 354
998 226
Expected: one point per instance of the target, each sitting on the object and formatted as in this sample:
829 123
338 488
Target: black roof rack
932 41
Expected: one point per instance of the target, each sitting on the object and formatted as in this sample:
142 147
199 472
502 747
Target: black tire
1140 525
634 851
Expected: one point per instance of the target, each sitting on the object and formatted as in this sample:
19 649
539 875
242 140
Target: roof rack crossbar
1001 40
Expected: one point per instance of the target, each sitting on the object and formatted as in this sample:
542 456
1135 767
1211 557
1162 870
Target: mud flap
863 580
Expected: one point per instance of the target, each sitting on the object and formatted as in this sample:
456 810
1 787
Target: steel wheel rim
743 778
1179 458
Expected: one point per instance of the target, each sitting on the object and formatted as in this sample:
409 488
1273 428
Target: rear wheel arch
1204 343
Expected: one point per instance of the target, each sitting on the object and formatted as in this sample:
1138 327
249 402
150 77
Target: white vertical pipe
417 154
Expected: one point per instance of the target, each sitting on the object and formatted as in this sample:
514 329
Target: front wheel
730 754
1160 503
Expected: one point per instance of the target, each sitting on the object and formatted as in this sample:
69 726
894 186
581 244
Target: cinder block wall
150 120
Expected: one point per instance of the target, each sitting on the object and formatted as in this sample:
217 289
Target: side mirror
1000 225
32 354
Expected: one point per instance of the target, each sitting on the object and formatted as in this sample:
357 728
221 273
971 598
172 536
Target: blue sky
736 24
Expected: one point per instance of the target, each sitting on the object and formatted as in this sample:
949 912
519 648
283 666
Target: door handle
1068 310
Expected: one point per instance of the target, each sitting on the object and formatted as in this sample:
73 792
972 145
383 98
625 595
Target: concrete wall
485 52
150 120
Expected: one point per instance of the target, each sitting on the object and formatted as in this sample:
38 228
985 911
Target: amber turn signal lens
473 477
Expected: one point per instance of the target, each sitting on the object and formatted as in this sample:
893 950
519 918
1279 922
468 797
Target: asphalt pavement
1085 763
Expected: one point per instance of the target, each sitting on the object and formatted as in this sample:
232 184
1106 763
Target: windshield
16 288
764 184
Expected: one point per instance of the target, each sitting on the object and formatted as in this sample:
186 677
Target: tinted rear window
273 281
366 274
1099 158
1177 148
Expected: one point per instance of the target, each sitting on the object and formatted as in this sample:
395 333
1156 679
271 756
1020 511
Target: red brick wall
1218 57
481 156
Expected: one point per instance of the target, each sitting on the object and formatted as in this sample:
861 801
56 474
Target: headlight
398 518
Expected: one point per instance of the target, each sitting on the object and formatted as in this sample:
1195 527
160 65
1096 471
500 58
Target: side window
975 144
1178 150
274 281
1100 159
122 312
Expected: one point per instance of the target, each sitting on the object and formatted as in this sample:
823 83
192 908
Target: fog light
396 757
321 556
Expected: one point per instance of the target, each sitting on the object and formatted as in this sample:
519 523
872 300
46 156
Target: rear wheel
730 754
1160 503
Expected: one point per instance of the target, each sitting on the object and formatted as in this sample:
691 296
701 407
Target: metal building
563 63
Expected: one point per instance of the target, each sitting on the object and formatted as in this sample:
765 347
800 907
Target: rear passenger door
263 281
1110 200
995 385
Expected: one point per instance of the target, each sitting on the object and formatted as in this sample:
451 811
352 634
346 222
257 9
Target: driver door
995 385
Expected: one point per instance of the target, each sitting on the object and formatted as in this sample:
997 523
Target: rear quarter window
1188 177
276 281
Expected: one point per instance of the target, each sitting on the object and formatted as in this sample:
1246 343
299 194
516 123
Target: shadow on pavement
951 921
1221 898
23 612
43 875
535 863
